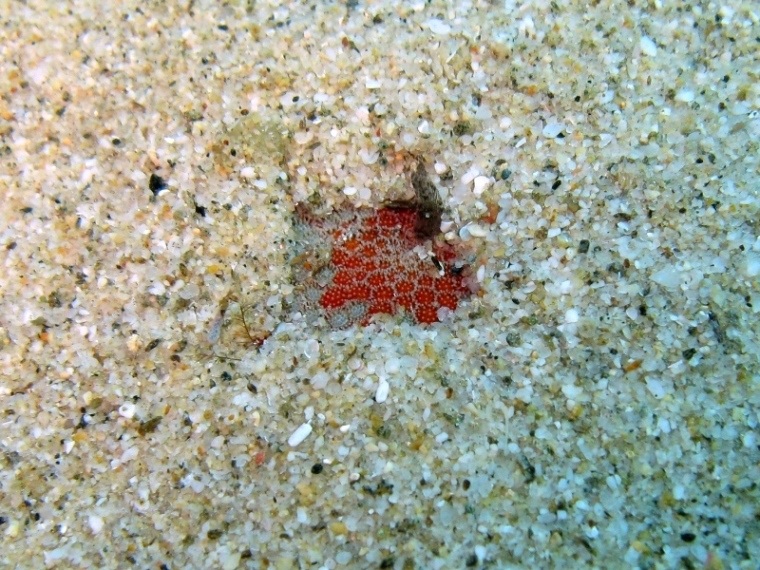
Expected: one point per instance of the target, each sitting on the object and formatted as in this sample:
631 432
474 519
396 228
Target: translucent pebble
302 137
480 184
368 157
685 96
383 389
438 26
572 391
127 410
96 523
311 349
476 230
157 289
230 560
655 388
647 46
129 454
552 130
392 365
564 240
752 265
189 291
301 433
669 277
469 176
362 113
483 113
631 556
320 380
444 314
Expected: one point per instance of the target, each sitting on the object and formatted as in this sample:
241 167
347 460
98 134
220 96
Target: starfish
377 261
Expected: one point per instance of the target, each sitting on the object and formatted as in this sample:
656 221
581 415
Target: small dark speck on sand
156 184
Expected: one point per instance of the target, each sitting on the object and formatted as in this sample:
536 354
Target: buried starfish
391 260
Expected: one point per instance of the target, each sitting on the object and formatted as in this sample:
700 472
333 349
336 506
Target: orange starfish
380 263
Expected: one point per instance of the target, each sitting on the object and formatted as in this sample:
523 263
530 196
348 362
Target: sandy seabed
595 405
